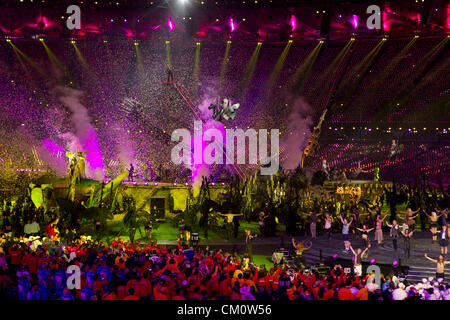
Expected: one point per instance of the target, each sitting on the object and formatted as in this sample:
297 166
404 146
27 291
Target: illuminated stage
175 195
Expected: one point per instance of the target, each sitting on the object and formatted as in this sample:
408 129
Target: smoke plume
298 131
84 135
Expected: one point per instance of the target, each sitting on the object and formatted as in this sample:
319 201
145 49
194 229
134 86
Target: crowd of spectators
123 271
411 161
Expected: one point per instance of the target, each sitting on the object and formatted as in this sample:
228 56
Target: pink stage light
293 23
355 21
170 24
232 25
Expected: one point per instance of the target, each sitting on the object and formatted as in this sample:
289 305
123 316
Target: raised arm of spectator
255 277
160 272
215 271
180 247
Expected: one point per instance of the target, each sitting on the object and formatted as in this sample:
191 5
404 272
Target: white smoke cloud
298 131
84 135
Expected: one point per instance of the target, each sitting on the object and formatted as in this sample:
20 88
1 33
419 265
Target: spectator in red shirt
131 295
345 293
109 294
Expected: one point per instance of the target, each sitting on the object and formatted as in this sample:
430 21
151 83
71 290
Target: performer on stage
445 217
440 266
434 224
377 212
358 171
410 217
261 217
229 222
313 223
326 168
249 243
356 217
130 173
345 229
365 236
328 222
394 233
357 261
379 228
169 75
407 235
443 240
299 249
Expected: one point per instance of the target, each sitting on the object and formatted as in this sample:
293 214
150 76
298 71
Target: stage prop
90 191
224 110
102 191
354 191
313 140
40 195
75 170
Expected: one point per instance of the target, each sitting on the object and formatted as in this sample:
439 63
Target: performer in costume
365 236
229 222
407 235
445 218
434 224
169 75
440 266
443 240
345 235
313 222
299 249
261 217
379 228
357 261
130 173
328 222
249 243
394 233
75 170
410 217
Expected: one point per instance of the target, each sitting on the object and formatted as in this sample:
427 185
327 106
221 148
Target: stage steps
416 274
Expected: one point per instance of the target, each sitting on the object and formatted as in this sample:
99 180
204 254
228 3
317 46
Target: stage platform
419 267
